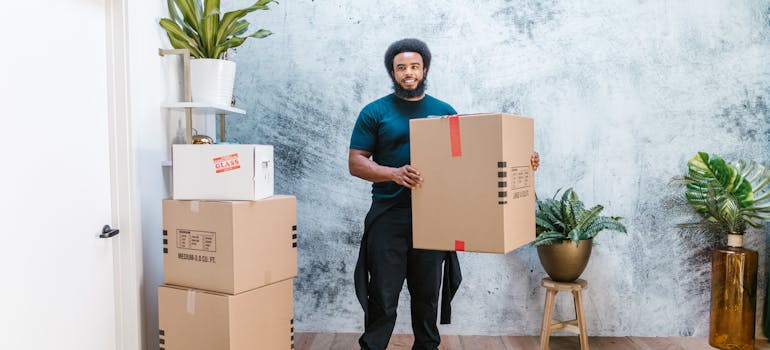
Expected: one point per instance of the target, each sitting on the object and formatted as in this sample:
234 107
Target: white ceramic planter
211 80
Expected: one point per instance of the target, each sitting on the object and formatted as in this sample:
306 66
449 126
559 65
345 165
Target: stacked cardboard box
229 252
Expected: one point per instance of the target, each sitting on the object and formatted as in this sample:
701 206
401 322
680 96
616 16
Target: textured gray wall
623 93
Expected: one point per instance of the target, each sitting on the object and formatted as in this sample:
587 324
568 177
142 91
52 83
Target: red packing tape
454 136
459 246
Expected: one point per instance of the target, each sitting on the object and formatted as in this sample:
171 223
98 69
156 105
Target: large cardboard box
222 172
261 318
478 192
229 246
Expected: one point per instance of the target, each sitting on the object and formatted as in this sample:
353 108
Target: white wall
147 91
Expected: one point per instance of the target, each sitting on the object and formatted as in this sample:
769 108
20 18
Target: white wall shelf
188 106
204 107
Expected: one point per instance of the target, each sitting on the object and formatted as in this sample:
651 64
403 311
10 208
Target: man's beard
406 94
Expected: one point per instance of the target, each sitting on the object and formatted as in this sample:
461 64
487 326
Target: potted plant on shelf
564 234
730 198
198 25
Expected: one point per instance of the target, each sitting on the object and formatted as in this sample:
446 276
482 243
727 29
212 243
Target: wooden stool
577 326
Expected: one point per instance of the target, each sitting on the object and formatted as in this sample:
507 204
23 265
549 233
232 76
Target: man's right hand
406 176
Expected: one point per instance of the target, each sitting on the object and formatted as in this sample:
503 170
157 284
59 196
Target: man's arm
361 165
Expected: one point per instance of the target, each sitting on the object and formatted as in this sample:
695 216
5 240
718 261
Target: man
379 152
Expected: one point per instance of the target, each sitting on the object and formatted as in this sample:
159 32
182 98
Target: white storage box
222 172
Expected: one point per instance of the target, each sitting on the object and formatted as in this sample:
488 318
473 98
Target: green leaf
547 241
228 44
174 12
227 27
549 211
179 44
179 19
565 210
543 223
586 217
548 238
210 25
178 38
604 223
240 27
208 30
262 33
191 12
210 7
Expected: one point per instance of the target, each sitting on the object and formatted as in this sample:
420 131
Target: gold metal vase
565 261
733 296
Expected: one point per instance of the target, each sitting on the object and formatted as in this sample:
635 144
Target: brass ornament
202 140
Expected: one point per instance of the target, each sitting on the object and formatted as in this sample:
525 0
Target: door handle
108 232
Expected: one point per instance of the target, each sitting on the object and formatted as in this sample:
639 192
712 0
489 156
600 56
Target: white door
57 288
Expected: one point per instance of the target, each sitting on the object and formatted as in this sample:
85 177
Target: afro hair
407 45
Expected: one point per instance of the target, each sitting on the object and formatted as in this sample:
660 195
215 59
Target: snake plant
197 25
568 219
729 197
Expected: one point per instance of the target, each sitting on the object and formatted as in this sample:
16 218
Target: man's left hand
534 161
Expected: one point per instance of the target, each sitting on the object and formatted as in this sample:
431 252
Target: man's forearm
369 170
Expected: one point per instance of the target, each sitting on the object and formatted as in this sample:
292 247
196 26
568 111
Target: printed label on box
196 240
519 179
226 163
197 258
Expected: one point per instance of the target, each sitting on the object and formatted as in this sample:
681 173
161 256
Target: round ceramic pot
565 261
211 81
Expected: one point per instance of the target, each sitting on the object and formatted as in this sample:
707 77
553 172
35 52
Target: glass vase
733 298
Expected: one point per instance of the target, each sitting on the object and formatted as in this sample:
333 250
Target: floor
348 341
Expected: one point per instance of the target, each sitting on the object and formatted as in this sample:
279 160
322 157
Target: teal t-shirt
382 128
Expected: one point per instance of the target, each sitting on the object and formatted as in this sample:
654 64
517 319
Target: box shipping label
199 243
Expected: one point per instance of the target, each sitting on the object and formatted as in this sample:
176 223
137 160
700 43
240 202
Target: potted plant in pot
564 234
198 25
730 198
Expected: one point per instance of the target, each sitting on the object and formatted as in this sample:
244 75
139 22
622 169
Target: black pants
390 260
